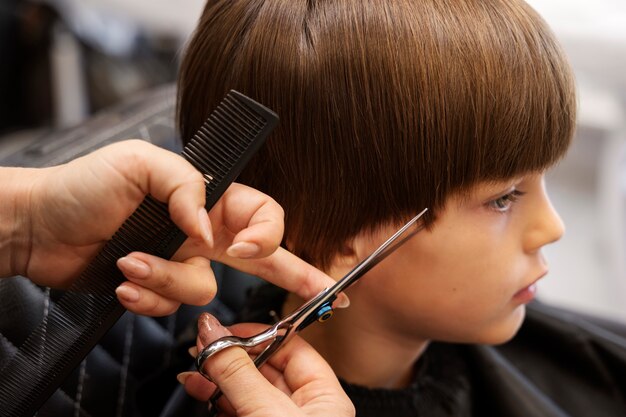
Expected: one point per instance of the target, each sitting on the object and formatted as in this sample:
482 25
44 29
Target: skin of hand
62 216
296 381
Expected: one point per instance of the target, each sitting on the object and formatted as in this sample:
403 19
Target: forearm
15 222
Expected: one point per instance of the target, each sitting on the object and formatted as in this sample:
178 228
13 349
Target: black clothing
559 364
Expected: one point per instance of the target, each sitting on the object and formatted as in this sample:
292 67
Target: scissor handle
234 341
273 333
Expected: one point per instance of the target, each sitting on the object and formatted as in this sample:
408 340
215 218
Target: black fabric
560 364
441 387
132 372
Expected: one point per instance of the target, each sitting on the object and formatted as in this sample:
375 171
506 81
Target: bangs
522 102
486 102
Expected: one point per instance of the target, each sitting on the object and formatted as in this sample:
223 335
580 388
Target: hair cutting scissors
319 308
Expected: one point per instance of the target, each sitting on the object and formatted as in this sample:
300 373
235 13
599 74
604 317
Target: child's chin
504 330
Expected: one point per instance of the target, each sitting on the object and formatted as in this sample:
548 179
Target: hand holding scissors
318 308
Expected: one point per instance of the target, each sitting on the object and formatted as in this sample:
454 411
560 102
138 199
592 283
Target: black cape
560 364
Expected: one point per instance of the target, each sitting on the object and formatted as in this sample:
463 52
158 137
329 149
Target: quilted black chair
132 371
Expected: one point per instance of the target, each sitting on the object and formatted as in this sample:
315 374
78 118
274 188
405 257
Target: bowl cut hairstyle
386 107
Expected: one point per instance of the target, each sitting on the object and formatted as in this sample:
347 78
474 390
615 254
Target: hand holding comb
219 150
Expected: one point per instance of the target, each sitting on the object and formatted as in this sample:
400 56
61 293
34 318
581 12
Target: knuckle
132 148
156 306
195 176
206 289
164 281
151 305
210 290
279 211
189 175
306 287
136 144
231 370
264 268
205 297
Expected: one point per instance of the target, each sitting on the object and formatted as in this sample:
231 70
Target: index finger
286 270
255 219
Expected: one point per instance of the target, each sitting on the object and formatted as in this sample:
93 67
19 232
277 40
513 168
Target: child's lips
527 294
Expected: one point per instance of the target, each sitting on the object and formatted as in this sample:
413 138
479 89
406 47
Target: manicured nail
193 351
127 293
342 301
182 377
243 250
134 268
205 227
209 330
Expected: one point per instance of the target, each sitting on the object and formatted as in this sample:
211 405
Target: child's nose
547 226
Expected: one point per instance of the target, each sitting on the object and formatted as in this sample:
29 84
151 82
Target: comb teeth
230 120
219 150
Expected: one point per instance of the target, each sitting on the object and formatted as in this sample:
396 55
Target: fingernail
243 250
193 351
205 227
183 376
127 293
133 268
209 329
342 301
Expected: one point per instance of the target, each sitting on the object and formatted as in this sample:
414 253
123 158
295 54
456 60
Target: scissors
319 308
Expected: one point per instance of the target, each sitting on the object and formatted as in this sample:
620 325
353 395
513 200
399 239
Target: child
388 107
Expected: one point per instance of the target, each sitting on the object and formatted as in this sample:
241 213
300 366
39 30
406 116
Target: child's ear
344 260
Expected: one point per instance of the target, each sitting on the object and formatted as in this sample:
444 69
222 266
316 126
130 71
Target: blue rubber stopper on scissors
324 313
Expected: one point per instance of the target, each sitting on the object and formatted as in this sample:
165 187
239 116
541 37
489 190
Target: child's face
469 278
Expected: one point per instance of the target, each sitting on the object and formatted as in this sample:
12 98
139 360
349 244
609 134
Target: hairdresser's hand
296 381
63 215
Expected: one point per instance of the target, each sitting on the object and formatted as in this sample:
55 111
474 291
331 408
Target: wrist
15 219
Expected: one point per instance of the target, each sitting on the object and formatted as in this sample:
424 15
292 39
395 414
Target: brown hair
386 107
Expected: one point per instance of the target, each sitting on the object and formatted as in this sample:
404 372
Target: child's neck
360 349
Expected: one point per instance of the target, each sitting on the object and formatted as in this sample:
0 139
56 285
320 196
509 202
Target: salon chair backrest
132 370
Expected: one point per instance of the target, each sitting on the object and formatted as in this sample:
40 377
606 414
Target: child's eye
504 203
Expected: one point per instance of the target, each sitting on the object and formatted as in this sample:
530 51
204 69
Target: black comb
219 150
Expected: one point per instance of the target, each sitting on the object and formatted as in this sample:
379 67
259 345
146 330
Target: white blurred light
600 19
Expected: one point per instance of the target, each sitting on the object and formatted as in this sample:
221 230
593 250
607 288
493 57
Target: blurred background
65 60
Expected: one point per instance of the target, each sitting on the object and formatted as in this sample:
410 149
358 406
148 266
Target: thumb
232 369
166 176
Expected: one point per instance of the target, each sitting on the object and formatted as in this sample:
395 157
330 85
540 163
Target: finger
197 386
190 282
244 330
268 370
297 365
168 178
143 301
209 330
255 220
284 269
202 389
309 377
297 357
236 375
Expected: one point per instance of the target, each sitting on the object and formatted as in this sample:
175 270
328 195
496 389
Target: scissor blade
310 311
410 229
